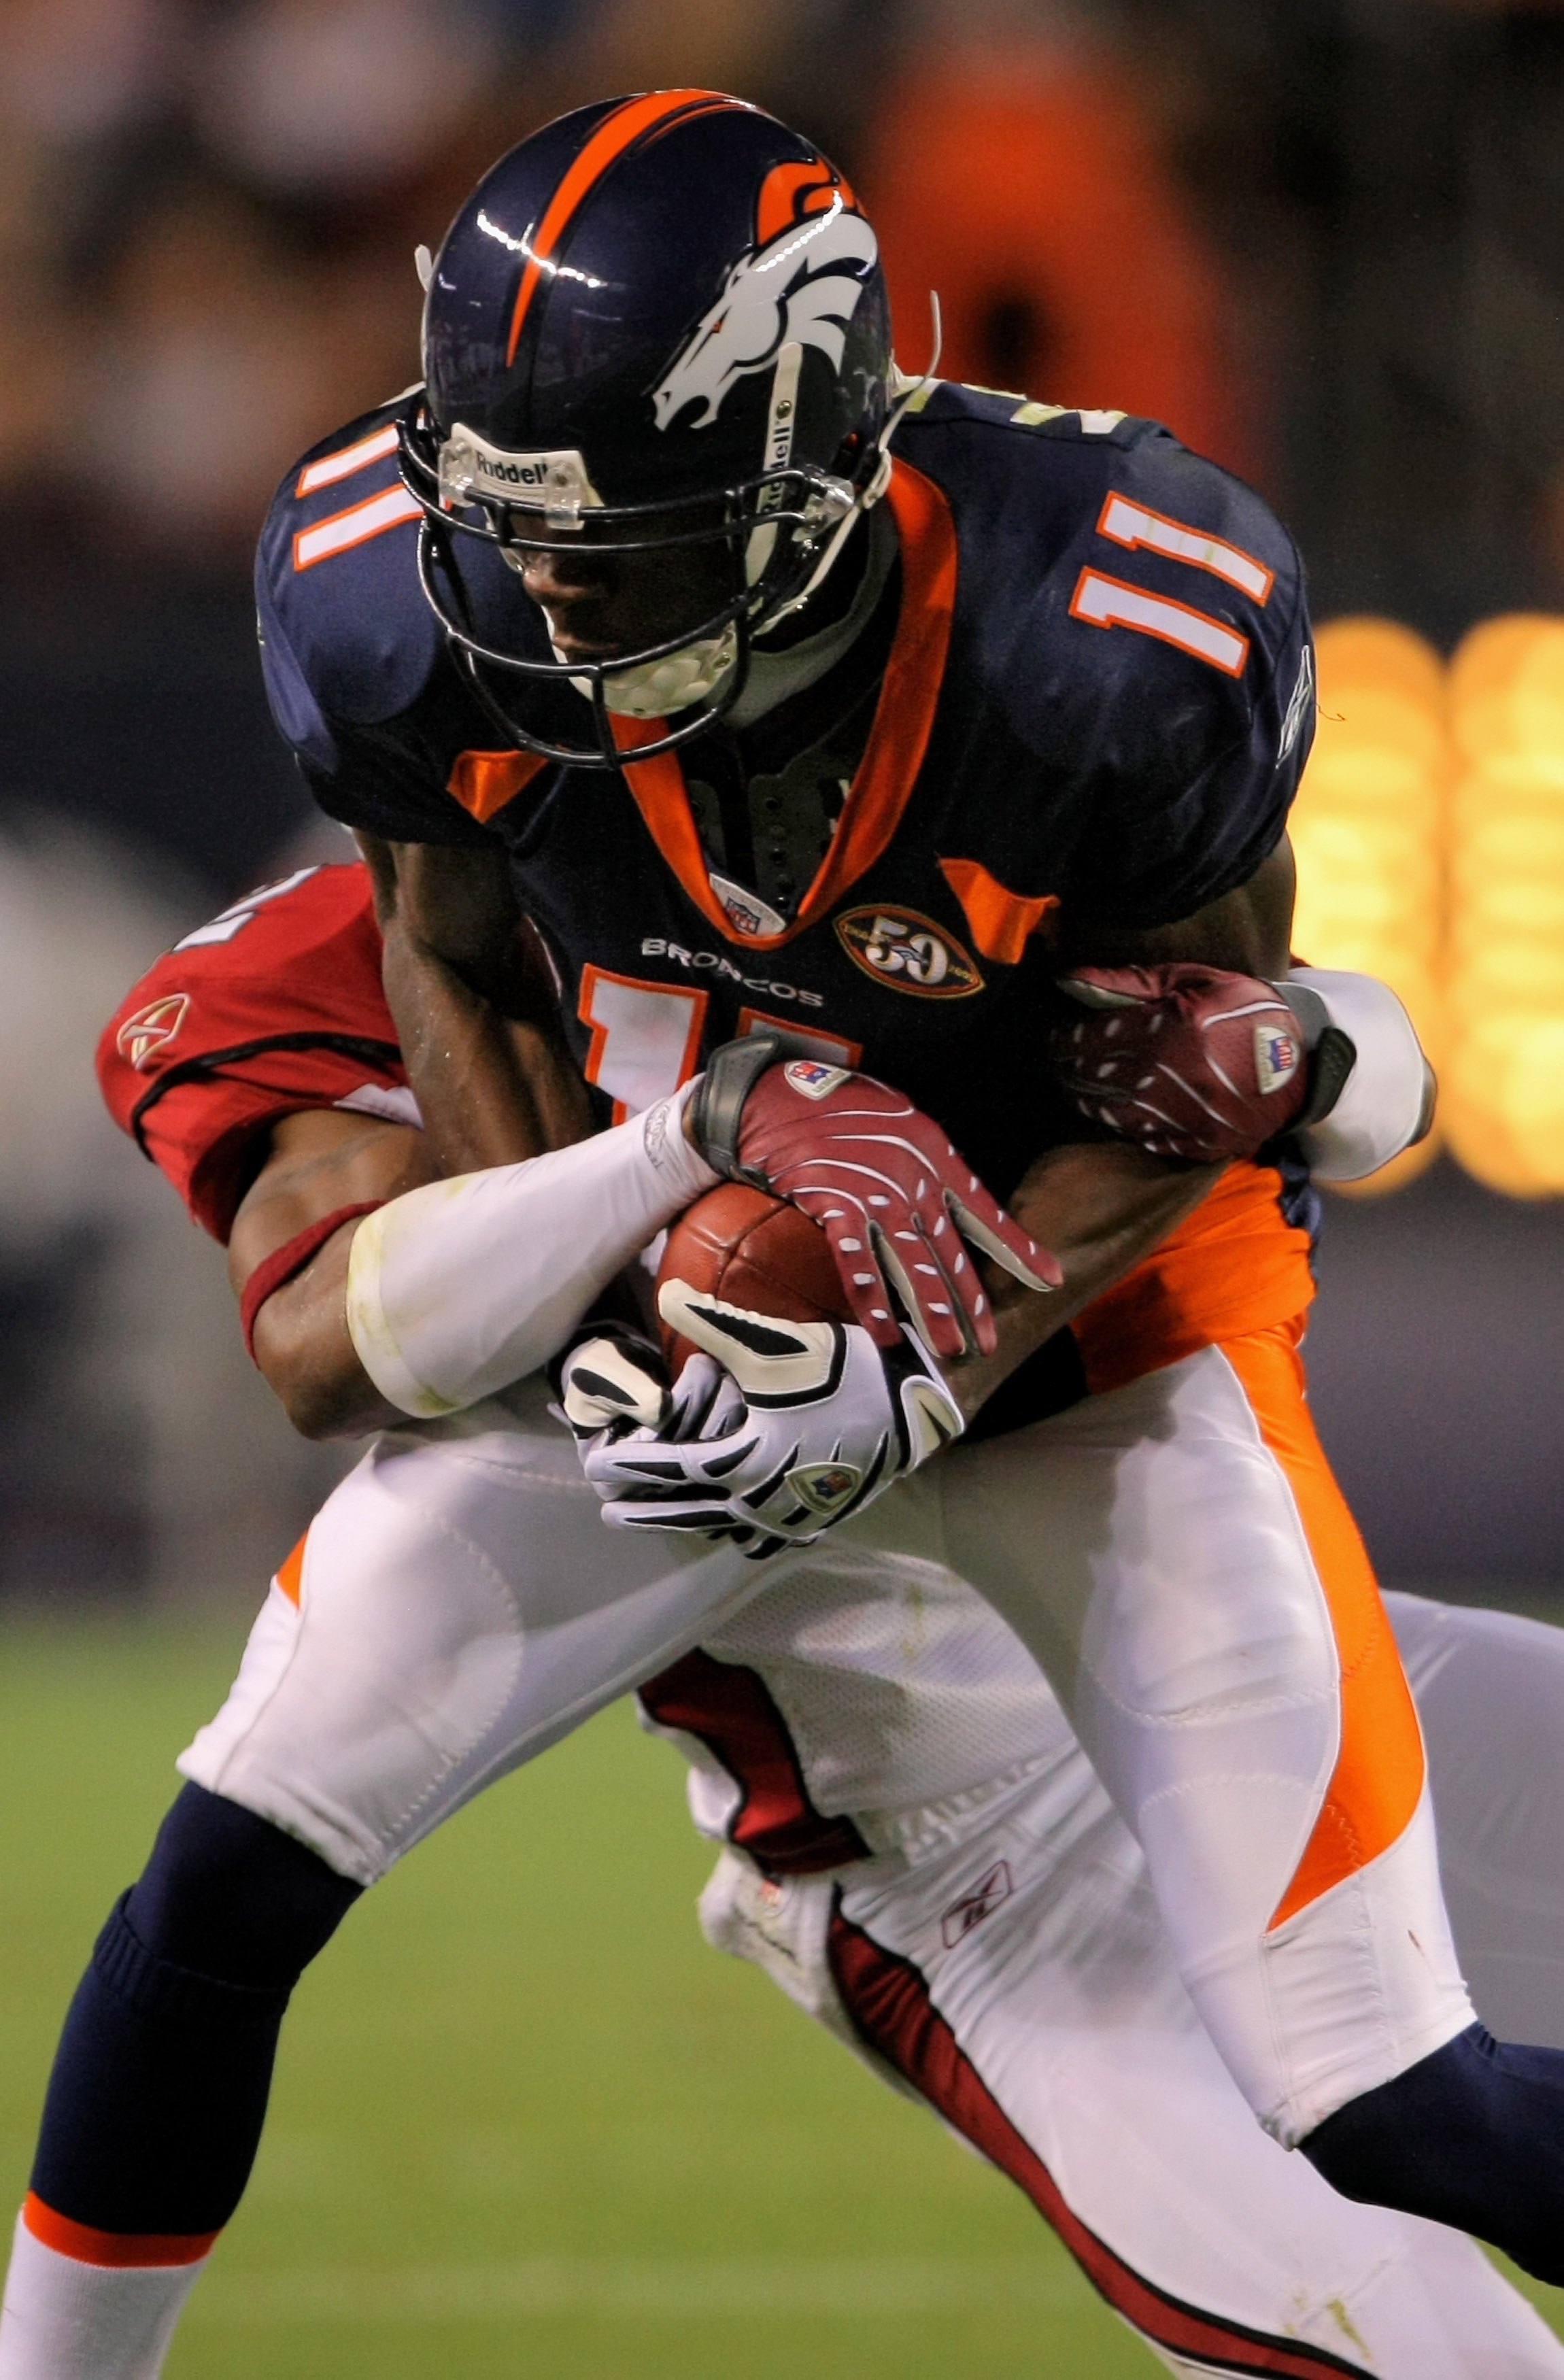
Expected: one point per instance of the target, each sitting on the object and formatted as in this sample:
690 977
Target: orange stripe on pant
116 2249
290 1576
1377 1780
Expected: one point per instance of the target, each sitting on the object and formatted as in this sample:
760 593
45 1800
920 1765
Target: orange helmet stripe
618 131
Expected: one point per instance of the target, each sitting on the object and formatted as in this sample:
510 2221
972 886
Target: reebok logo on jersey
151 1028
909 952
994 1887
1299 705
1276 1057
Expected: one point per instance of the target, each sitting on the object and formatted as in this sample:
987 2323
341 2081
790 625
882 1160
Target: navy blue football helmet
660 322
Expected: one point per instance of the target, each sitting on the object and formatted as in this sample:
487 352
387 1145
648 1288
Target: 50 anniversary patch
907 951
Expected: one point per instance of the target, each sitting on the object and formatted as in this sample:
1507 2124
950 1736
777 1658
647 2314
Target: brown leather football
752 1250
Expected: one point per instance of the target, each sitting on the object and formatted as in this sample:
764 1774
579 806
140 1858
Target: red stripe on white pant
732 1711
889 2001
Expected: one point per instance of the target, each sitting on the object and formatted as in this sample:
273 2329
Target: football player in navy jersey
783 704
785 699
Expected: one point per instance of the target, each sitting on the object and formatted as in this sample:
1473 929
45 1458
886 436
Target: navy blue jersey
1097 701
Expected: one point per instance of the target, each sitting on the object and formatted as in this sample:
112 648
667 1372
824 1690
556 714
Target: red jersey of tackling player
274 1006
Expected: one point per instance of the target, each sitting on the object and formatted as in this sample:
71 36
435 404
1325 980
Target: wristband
1383 1104
274 1272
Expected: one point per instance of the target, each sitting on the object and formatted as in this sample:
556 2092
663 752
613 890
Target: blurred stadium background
1324 239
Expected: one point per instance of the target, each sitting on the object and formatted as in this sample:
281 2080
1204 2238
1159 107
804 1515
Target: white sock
64 2320
457 1289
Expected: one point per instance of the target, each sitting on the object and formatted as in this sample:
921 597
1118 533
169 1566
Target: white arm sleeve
457 1289
1386 1102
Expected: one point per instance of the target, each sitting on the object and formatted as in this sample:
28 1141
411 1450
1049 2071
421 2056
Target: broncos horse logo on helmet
660 323
788 289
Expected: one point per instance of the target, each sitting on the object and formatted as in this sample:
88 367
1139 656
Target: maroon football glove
1190 1060
894 1198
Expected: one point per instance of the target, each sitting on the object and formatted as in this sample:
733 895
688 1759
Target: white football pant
1175 1554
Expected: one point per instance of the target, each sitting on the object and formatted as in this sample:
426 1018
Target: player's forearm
1248 931
468 984
492 1090
321 1165
446 1289
457 1290
1101 1209
306 1356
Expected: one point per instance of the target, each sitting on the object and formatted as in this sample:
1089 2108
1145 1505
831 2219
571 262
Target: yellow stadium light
1504 1102
1507 699
1368 827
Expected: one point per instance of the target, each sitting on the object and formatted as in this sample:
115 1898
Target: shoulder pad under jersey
1138 614
274 1006
345 633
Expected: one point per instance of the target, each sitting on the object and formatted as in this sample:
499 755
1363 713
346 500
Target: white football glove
776 1431
610 1378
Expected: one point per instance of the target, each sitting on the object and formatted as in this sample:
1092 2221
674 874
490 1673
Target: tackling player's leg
1017 1978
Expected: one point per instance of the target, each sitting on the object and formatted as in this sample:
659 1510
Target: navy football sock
160 2085
1471 2136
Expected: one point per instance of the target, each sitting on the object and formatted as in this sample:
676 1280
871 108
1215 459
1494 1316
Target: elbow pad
459 1288
1386 1102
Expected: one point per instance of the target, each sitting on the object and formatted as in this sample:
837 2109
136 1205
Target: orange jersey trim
903 719
1236 1265
619 130
87 2246
1378 1781
1002 923
484 782
290 1573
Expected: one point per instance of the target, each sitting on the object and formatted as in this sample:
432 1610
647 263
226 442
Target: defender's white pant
1174 1553
1020 1981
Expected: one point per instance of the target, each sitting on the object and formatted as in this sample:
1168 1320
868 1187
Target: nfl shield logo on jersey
1276 1057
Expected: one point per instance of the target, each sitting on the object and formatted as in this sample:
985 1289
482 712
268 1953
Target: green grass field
525 2122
